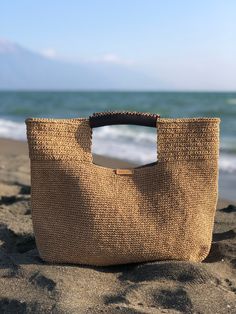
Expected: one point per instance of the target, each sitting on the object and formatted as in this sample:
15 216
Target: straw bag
89 214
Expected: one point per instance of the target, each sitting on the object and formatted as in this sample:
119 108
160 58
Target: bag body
84 213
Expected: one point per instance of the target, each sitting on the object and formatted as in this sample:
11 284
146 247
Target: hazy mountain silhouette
21 68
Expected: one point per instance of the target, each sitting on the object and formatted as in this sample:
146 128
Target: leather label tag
124 171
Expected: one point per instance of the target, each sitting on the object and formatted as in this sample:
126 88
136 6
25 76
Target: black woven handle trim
122 117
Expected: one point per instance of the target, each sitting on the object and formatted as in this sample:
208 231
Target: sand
29 285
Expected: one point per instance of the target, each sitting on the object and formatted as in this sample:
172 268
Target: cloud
107 58
110 58
113 58
49 53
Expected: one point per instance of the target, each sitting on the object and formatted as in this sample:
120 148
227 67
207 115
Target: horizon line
67 90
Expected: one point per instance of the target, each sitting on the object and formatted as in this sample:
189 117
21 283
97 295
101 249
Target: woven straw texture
87 214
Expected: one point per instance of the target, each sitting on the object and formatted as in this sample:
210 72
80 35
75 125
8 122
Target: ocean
132 143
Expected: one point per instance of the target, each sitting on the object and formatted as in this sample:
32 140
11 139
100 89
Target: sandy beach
29 285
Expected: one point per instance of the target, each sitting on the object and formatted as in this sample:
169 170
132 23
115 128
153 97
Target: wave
126 142
141 148
231 101
135 144
227 163
13 130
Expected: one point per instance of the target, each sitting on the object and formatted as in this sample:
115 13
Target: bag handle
98 119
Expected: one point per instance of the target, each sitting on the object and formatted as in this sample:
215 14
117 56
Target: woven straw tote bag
84 213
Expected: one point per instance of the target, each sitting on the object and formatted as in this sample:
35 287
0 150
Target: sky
190 44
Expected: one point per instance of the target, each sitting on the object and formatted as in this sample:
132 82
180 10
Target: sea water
132 143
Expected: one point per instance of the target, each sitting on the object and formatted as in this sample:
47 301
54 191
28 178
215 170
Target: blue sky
190 44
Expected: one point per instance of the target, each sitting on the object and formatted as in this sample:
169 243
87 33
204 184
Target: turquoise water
16 106
123 141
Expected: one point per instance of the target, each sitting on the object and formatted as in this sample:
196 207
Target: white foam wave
121 142
141 147
12 129
127 143
127 133
231 101
227 163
